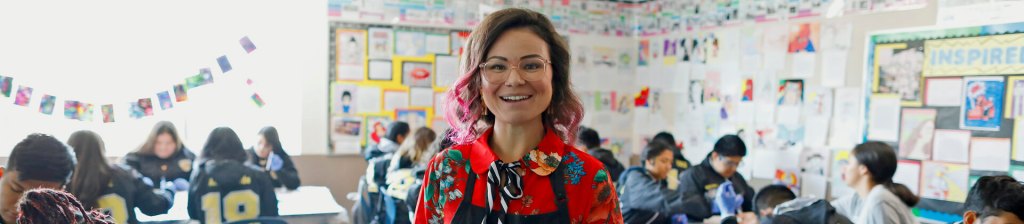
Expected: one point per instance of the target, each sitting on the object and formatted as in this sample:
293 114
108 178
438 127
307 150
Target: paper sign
943 92
883 118
951 146
990 154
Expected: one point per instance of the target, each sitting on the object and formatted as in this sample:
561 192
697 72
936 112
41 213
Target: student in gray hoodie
644 193
877 199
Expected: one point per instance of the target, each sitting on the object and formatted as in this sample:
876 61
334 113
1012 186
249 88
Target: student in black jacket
679 163
644 193
116 190
38 161
590 140
713 187
396 133
163 157
226 189
272 158
778 204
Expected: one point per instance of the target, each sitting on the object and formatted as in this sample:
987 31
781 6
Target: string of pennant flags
143 107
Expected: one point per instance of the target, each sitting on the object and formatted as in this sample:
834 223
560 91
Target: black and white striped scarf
513 184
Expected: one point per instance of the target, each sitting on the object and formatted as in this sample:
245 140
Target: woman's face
660 165
264 147
511 47
853 172
164 146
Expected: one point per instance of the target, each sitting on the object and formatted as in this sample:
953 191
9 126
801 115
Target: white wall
117 51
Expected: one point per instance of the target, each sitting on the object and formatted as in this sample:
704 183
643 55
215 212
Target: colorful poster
108 113
180 93
346 134
344 98
897 70
141 108
417 74
458 40
917 129
645 52
350 51
203 78
381 45
803 37
47 103
748 90
247 44
409 43
1015 96
71 109
24 96
5 86
840 158
165 100
256 99
225 65
376 127
944 181
415 118
712 86
85 111
791 92
983 103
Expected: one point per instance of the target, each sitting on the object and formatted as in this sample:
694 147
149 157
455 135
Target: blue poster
983 103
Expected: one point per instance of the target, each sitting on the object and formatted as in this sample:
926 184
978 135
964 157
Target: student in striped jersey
114 189
224 188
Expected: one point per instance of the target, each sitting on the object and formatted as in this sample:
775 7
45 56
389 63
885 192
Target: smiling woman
513 110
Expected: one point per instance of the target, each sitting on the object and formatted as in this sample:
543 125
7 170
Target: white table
308 204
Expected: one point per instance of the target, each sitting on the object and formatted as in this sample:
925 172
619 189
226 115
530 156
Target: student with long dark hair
45 206
877 198
163 157
38 161
226 189
995 199
645 195
115 189
269 155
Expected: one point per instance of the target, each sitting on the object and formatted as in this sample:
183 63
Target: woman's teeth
514 98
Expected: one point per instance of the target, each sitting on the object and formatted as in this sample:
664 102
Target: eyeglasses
497 70
729 163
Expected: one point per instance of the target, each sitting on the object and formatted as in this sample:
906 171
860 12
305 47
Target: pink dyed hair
464 109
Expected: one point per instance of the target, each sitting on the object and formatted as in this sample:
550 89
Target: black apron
471 214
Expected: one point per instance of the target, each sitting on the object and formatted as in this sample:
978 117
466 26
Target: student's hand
727 201
167 185
147 181
180 184
274 162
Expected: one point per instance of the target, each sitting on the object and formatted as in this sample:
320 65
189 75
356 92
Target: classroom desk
308 204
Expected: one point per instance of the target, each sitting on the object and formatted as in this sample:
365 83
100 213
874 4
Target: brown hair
162 127
464 107
414 148
93 172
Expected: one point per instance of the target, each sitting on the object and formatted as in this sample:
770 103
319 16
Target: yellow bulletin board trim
877 75
1008 111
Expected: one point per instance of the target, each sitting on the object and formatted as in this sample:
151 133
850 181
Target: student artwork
944 181
203 78
346 134
620 103
917 129
814 161
982 107
712 85
225 65
417 74
24 96
908 173
165 100
898 69
819 101
803 37
1014 96
247 44
141 108
446 70
645 52
640 99
415 118
458 39
108 113
75 110
840 159
381 45
344 98
376 127
696 96
990 154
691 50
351 51
256 99
408 43
748 90
711 47
791 92
5 86
437 43
180 94
47 103
380 70
788 178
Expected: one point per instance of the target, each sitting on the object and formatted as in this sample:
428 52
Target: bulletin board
948 100
382 74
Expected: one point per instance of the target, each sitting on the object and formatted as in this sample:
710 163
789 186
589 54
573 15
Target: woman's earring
485 112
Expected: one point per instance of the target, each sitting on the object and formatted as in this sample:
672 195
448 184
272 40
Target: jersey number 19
235 206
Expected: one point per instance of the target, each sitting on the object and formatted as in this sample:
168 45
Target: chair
261 220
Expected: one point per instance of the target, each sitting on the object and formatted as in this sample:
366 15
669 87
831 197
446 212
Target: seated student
46 206
440 143
117 190
163 157
778 204
590 140
644 192
679 163
877 199
396 133
714 187
400 176
272 158
38 161
226 189
995 199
